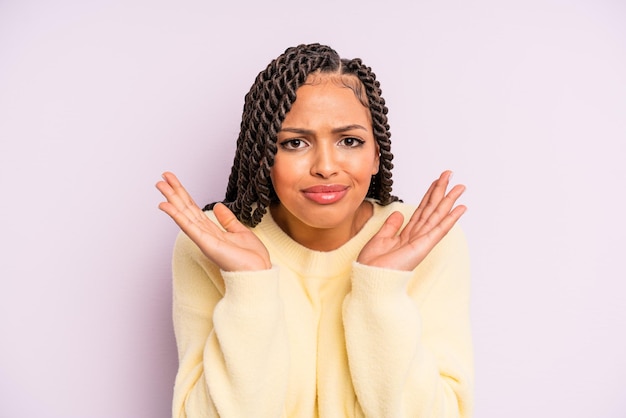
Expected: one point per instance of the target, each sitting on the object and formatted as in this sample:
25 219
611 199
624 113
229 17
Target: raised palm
430 222
230 245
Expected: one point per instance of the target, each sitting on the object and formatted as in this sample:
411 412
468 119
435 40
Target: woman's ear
376 167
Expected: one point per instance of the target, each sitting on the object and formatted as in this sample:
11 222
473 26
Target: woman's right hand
234 248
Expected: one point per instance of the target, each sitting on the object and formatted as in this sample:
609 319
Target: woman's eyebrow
297 131
340 129
349 128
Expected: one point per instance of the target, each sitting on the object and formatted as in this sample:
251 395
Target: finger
174 203
438 192
391 226
189 225
227 218
424 208
178 188
420 208
427 195
436 234
177 195
204 233
439 212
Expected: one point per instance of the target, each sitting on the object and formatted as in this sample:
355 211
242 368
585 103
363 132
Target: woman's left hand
431 221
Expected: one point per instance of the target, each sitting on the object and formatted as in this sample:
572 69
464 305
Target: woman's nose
325 162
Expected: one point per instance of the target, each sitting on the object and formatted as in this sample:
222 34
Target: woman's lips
325 194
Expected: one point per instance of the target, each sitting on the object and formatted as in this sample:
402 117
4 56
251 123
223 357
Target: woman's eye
352 142
293 144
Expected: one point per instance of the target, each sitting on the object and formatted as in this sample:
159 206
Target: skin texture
326 139
326 145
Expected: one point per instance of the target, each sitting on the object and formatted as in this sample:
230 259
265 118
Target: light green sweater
320 335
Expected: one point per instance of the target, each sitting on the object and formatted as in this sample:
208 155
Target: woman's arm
408 336
407 317
228 316
231 337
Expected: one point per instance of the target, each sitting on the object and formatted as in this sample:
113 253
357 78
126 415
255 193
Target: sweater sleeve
408 336
231 339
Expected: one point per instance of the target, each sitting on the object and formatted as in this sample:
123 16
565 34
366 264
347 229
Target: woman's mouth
325 194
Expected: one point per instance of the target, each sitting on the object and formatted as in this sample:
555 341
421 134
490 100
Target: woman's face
326 157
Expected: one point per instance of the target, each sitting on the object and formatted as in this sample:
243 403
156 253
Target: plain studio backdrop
524 100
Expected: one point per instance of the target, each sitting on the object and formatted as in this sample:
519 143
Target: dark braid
250 191
380 187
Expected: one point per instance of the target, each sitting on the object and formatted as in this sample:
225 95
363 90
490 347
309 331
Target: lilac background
524 100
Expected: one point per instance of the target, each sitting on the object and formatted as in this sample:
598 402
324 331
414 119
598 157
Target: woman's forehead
340 80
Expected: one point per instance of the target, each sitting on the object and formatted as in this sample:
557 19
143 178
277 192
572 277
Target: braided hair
250 191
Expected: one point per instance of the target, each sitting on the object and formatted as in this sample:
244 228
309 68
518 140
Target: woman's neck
321 239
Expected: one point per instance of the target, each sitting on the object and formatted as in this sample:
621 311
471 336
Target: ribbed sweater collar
285 251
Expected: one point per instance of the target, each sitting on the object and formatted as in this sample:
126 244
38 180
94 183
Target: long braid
250 192
381 185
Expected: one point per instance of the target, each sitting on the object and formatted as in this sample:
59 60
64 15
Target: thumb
391 226
227 218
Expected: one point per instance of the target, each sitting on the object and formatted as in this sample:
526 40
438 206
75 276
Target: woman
311 290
